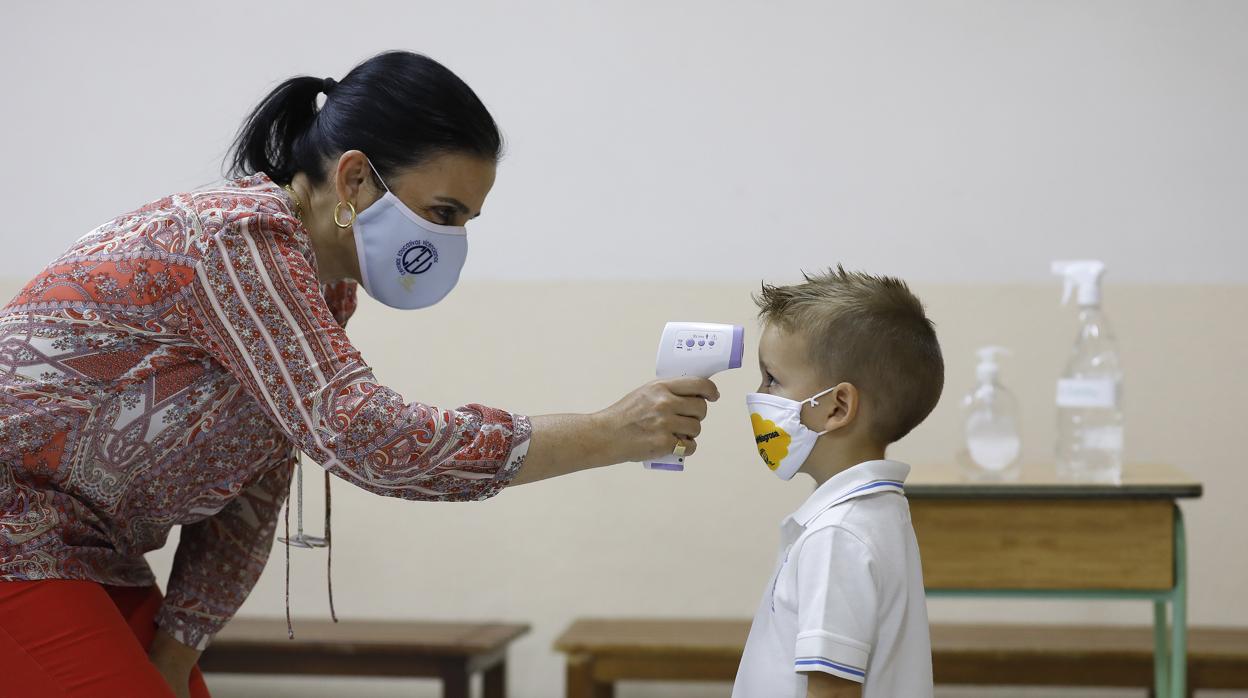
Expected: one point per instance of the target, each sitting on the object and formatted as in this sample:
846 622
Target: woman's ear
841 406
353 180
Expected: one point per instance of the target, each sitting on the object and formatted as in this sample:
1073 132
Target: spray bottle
1089 393
993 441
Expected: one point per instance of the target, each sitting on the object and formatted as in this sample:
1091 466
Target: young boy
850 364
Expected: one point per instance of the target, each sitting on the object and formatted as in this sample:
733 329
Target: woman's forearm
562 444
646 423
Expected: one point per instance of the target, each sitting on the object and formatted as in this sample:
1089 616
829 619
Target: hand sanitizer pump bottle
992 425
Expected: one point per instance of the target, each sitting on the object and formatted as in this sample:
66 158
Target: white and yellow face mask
783 441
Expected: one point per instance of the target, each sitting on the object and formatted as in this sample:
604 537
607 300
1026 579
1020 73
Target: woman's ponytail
268 139
399 108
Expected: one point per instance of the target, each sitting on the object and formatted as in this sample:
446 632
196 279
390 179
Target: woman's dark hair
399 108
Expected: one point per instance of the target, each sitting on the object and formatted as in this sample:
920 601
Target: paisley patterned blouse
159 373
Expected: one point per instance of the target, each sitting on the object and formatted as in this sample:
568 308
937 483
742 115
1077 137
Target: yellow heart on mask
773 442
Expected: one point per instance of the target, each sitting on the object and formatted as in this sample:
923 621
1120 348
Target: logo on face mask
773 442
416 257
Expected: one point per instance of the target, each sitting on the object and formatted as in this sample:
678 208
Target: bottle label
1087 393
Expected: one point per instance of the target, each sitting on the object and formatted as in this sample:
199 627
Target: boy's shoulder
868 519
862 511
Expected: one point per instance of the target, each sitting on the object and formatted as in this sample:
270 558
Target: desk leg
1178 641
1161 651
580 679
455 679
495 680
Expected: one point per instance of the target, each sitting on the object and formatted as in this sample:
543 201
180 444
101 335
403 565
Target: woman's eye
444 215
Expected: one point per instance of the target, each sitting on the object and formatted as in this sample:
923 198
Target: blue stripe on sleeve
820 661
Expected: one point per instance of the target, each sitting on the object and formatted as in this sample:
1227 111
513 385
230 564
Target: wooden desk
1040 537
452 652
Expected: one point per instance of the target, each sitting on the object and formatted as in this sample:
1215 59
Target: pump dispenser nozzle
1085 275
989 368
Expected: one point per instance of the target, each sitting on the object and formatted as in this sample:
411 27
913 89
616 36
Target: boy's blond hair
870 331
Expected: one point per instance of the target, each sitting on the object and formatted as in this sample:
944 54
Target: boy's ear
841 405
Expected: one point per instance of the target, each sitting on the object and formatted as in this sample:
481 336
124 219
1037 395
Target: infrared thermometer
695 349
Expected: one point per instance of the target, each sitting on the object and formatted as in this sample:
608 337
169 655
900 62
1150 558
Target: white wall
700 146
945 141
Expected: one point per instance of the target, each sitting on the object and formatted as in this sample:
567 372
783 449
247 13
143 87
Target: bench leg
495 681
455 680
580 679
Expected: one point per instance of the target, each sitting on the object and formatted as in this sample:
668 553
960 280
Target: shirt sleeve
340 296
256 306
220 558
837 604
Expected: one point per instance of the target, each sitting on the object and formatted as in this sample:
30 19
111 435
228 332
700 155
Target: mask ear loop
378 174
814 402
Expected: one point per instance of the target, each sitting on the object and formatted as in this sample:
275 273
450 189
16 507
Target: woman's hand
174 661
645 424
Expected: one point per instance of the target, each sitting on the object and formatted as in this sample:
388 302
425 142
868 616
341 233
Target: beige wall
626 542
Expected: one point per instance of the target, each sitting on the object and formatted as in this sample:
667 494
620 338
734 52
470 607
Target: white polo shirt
847 595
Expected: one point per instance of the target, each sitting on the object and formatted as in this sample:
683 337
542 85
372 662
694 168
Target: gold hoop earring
338 208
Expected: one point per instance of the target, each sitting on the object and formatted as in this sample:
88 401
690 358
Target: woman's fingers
692 407
647 421
692 386
686 427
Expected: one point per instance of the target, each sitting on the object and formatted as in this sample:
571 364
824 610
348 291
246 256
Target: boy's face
787 370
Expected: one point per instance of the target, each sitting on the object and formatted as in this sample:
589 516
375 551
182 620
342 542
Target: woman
167 369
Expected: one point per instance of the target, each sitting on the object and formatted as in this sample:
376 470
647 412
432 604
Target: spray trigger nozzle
1084 275
1068 288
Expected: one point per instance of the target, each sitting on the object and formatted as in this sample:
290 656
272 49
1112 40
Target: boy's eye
770 380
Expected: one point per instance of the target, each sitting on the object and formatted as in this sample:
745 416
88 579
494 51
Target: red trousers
70 639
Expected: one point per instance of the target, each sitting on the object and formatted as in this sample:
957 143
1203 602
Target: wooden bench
603 652
451 652
1003 655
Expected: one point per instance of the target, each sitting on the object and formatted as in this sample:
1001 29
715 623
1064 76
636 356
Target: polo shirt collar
861 480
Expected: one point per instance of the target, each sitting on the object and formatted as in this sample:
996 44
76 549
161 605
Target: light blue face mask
406 261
